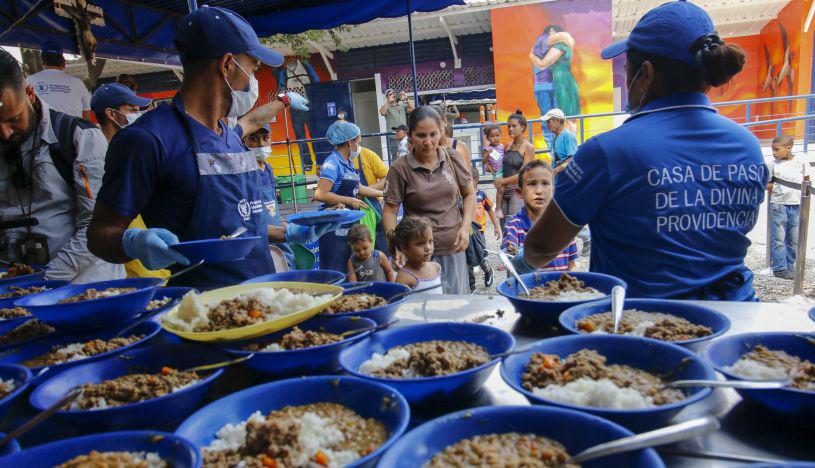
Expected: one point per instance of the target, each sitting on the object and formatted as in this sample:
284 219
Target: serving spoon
400 295
72 395
617 303
663 436
737 384
233 235
511 268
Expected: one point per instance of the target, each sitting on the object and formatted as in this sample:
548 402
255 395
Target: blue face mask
628 95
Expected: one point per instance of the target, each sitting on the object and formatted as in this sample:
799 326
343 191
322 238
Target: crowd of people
86 199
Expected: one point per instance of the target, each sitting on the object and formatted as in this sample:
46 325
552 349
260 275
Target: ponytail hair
719 61
518 116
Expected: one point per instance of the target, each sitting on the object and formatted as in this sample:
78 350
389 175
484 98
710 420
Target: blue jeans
784 235
547 101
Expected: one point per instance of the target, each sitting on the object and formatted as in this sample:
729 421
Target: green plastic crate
284 184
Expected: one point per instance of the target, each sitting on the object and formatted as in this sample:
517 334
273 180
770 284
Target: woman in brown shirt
427 182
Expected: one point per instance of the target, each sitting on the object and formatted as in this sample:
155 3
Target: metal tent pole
292 170
412 54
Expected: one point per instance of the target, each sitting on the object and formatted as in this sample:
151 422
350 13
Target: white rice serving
192 313
602 393
574 296
754 370
379 362
316 433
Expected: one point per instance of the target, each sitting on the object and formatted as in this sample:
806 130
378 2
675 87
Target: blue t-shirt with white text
669 196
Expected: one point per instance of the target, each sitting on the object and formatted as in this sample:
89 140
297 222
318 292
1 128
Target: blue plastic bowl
428 389
173 292
177 451
22 379
12 447
726 351
38 275
7 326
575 430
381 314
301 276
19 354
656 357
94 313
148 413
693 313
368 399
216 250
6 288
318 359
543 313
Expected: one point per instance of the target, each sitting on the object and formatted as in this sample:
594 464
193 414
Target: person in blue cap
340 184
671 194
260 144
188 173
116 106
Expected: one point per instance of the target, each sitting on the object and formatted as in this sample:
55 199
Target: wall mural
548 55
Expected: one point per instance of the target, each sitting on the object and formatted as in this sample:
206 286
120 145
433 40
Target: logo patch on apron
244 209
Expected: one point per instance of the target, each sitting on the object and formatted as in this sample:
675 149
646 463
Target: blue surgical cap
339 132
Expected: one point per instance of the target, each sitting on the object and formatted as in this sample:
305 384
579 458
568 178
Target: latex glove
520 264
305 235
297 101
152 247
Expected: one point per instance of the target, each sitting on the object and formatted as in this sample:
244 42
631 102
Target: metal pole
747 113
801 248
291 159
582 131
192 5
768 259
412 53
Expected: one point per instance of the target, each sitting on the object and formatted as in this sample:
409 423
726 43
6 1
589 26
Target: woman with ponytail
671 194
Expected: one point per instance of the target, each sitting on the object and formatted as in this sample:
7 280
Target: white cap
554 113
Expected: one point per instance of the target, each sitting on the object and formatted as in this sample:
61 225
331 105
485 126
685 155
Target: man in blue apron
188 173
260 143
672 193
339 184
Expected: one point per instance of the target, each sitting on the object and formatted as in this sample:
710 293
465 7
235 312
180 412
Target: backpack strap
63 152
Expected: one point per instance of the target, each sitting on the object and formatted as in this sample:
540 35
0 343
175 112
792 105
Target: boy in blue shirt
535 184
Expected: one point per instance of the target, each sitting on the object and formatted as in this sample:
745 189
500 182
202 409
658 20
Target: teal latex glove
297 101
152 247
520 264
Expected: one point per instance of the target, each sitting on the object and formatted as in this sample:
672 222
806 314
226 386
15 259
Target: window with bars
440 79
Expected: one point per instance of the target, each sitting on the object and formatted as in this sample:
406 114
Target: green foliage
299 43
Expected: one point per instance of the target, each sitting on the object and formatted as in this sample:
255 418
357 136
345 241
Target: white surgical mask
354 152
262 152
243 101
130 118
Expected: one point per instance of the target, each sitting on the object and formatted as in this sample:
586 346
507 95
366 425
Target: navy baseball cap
669 30
211 32
114 95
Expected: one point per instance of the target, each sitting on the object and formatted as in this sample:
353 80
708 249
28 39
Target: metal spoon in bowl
737 384
665 435
375 329
511 268
617 303
236 233
72 395
218 365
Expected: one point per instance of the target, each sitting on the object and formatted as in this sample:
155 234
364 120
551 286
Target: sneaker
488 277
784 274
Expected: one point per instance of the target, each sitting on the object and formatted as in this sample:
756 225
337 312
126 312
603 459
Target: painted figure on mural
293 76
552 53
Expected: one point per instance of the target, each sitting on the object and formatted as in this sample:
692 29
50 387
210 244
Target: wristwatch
285 99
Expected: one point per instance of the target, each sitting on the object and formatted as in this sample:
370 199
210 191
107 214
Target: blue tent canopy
143 30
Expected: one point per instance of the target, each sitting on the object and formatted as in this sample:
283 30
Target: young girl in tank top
414 237
493 157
